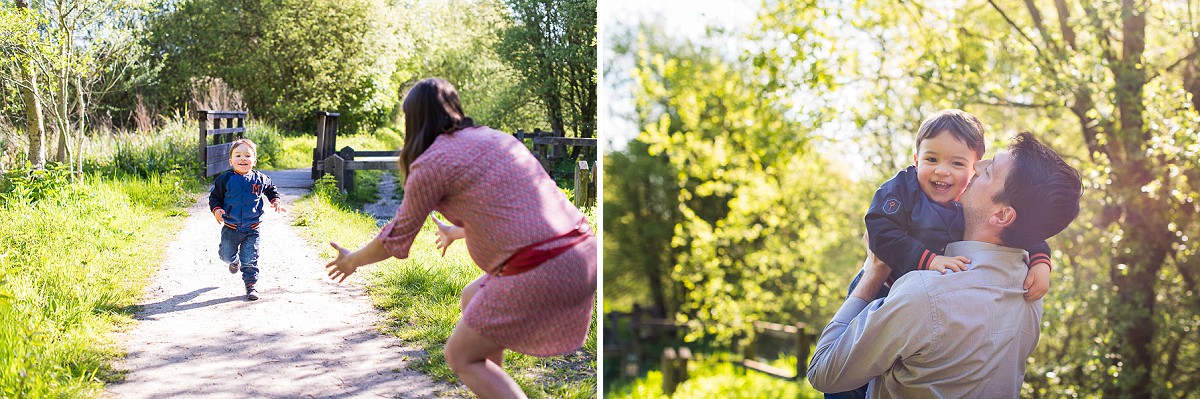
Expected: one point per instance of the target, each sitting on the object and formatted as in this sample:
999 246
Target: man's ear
1003 217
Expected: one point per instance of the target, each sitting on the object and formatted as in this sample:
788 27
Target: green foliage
709 378
27 185
288 58
71 271
457 40
421 295
641 209
765 228
552 43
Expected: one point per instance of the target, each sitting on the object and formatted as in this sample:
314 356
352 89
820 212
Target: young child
915 214
236 202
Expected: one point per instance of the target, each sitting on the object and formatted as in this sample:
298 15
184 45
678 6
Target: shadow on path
179 303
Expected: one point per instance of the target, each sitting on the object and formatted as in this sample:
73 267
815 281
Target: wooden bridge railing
630 339
226 127
548 148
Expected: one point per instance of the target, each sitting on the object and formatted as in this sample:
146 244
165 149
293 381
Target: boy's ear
914 159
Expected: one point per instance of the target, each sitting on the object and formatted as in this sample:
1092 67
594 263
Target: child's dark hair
1042 188
247 142
964 126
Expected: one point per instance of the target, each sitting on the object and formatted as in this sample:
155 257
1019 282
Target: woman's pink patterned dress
488 183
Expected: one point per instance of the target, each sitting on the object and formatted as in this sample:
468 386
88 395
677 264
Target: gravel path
305 338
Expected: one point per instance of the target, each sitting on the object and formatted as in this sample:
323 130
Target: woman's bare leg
469 356
468 293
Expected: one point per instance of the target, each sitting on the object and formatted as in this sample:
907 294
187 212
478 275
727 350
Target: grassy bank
421 297
74 263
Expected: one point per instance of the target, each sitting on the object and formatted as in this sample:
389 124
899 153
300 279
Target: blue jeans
860 393
241 246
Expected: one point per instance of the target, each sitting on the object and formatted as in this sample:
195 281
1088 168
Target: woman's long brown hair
431 108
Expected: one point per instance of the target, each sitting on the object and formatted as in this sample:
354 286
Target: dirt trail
198 337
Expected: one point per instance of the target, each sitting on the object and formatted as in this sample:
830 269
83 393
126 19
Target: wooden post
203 117
681 367
334 165
241 123
346 177
670 378
582 184
803 342
319 154
539 151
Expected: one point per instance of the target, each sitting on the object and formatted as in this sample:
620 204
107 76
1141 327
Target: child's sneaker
251 293
234 267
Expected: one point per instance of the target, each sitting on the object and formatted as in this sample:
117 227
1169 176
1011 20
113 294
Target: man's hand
1037 282
220 215
943 263
875 274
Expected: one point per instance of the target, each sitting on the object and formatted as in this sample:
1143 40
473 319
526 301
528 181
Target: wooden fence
226 127
547 147
635 339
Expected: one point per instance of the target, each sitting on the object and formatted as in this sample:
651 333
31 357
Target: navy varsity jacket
906 229
241 198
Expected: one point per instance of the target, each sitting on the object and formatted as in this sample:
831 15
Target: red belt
528 258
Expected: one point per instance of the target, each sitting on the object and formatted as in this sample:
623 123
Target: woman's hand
343 266
446 234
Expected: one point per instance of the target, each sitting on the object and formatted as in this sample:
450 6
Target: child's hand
1037 282
220 215
278 208
943 263
446 234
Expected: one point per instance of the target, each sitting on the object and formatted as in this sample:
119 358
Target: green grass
421 297
714 379
72 266
280 150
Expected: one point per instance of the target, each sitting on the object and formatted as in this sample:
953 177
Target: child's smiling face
242 158
945 165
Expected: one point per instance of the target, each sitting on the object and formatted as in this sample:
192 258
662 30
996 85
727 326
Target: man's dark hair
1042 188
964 126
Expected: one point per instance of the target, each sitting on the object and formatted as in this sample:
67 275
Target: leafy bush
27 185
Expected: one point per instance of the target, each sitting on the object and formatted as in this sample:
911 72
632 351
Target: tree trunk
63 111
1145 239
35 124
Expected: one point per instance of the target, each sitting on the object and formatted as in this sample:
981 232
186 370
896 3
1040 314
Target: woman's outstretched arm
348 262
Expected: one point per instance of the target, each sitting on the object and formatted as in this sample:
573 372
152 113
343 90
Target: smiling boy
236 203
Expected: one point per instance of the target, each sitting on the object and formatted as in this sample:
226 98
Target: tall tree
764 221
553 44
288 57
24 53
457 40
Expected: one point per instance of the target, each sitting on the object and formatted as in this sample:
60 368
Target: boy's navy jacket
906 229
241 198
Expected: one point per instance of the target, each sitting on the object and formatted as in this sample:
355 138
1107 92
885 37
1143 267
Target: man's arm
865 339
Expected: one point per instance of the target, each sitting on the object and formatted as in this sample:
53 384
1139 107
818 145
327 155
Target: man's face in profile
990 175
